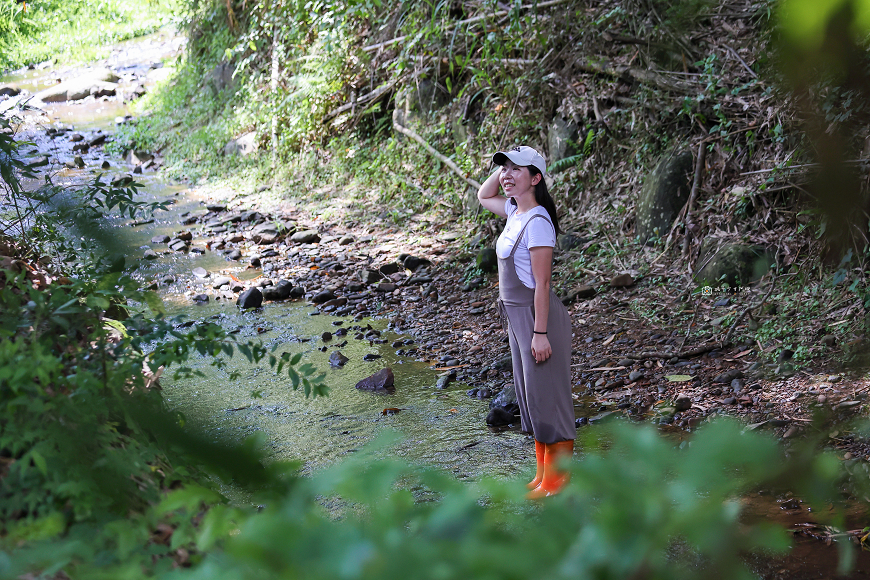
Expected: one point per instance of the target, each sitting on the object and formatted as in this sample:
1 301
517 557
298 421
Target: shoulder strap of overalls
523 231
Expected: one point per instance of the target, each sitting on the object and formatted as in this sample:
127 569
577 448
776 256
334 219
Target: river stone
305 237
150 255
370 276
635 376
503 364
664 194
733 264
385 287
682 403
251 298
487 260
220 281
346 240
159 239
201 273
506 398
622 281
728 376
583 292
234 255
280 291
389 269
445 379
323 296
9 91
500 417
177 246
297 292
336 359
561 139
413 262
200 298
382 382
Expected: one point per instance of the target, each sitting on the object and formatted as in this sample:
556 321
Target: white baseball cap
523 156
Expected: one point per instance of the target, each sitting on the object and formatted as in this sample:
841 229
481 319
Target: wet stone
201 273
150 255
626 362
382 381
336 359
251 298
635 376
200 298
220 281
160 239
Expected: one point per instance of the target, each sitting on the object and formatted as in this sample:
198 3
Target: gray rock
445 379
370 276
243 145
737 385
829 340
389 269
160 239
682 403
297 292
503 364
336 359
201 273
346 240
385 287
305 237
220 281
323 296
200 298
413 262
280 291
9 91
728 376
733 264
622 281
581 292
251 298
560 136
635 376
150 255
626 362
500 417
221 78
506 398
487 260
234 255
664 193
382 382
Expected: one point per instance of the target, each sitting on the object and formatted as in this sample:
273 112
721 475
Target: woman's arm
542 268
488 195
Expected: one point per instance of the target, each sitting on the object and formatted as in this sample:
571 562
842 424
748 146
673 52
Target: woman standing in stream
537 323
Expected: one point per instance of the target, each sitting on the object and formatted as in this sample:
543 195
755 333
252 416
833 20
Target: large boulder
663 195
280 291
732 264
98 82
251 298
242 146
382 382
561 139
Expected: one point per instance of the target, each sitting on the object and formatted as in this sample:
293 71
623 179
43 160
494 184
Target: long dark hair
544 199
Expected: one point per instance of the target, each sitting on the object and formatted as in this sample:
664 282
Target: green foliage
637 506
73 31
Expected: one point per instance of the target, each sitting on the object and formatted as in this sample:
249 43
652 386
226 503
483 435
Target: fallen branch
448 162
699 173
684 354
628 73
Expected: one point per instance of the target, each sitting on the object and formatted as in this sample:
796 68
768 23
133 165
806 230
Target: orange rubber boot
539 470
554 478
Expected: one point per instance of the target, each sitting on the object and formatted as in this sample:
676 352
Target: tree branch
431 150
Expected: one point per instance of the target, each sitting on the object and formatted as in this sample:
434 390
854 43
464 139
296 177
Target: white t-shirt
539 233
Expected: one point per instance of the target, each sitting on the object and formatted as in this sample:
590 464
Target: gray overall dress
543 389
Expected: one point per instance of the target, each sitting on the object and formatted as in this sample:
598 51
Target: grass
74 32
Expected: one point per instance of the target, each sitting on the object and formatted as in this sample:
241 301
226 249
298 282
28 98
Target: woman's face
516 180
